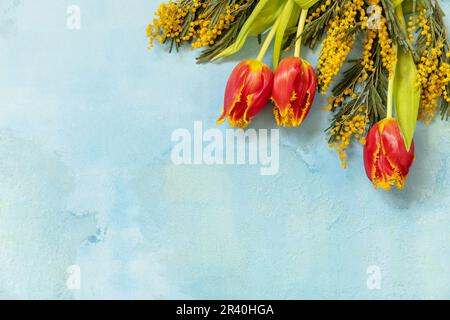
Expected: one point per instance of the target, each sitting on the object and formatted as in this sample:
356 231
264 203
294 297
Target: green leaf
267 16
412 6
406 87
289 17
262 17
407 95
409 6
306 4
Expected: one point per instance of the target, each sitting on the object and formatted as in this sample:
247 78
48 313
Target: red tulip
386 159
293 92
248 91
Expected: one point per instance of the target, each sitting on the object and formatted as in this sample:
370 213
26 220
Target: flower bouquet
384 64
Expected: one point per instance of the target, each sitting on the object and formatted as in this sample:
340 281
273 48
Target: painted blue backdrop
86 180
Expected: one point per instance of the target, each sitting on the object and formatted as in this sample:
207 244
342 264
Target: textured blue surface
86 179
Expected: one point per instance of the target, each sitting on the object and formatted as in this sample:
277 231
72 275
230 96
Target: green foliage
407 95
262 17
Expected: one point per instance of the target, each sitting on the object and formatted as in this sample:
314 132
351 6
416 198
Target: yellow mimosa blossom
207 33
318 12
168 23
348 129
338 43
433 71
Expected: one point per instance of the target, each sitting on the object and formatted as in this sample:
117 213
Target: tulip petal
386 160
392 141
294 91
248 90
262 95
228 110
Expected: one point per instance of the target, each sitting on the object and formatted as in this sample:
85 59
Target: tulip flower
248 91
293 92
294 84
386 158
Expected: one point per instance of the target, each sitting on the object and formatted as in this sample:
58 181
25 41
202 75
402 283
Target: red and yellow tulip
293 92
248 91
386 158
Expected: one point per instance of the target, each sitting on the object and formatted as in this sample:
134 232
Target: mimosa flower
293 92
248 91
386 159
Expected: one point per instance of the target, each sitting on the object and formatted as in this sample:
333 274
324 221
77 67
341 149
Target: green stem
268 41
390 97
301 27
400 16
390 102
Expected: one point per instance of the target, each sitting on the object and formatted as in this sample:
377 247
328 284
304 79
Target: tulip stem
301 27
268 40
390 102
390 96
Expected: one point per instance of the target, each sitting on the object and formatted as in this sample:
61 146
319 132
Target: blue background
86 179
